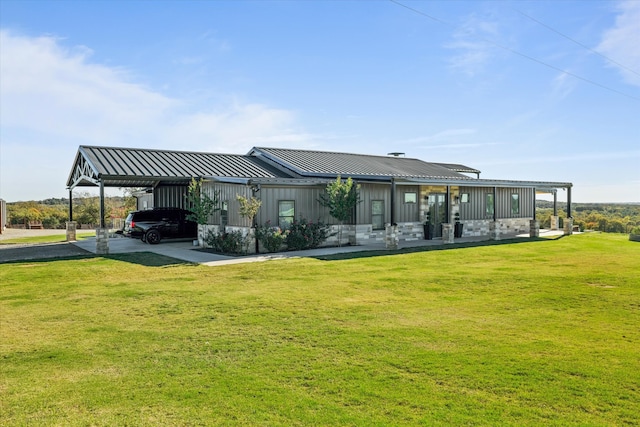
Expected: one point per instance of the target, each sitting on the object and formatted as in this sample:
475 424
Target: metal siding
407 212
305 199
475 209
369 192
170 196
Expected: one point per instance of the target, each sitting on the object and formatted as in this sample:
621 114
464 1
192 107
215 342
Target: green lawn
50 238
544 332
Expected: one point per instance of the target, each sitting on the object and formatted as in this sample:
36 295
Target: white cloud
471 41
622 42
54 98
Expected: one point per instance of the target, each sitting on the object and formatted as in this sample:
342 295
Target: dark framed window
515 204
488 205
377 214
464 198
411 197
286 213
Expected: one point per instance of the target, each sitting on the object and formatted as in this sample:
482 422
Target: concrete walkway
186 251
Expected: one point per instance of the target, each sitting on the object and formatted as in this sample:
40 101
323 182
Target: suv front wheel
153 237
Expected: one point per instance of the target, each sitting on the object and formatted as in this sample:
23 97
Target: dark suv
153 225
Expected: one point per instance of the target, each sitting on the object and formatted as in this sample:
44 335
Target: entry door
437 212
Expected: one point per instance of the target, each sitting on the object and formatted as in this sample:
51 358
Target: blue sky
527 90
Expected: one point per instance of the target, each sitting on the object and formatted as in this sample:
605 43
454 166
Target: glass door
437 212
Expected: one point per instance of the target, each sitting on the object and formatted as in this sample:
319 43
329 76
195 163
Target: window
224 214
515 204
464 197
286 213
488 205
410 197
377 214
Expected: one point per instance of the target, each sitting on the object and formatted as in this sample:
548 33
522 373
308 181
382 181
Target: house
394 190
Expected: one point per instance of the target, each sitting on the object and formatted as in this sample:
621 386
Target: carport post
70 205
102 221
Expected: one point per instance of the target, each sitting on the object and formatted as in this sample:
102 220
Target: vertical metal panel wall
305 201
229 193
173 196
368 193
476 209
407 212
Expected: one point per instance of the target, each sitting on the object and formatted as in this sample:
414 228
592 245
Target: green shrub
271 238
304 234
635 230
231 242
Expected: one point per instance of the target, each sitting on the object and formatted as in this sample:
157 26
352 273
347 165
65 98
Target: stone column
353 235
494 230
102 241
447 233
568 226
534 228
554 222
71 231
391 236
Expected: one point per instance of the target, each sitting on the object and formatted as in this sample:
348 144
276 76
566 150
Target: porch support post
102 233
534 224
102 213
568 222
393 201
448 214
71 224
70 205
554 218
494 227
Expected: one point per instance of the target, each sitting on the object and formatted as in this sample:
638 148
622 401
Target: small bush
231 242
304 234
635 230
271 238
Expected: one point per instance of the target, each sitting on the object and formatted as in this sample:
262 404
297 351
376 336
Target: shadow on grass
429 248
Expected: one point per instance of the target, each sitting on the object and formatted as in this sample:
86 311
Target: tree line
605 217
54 213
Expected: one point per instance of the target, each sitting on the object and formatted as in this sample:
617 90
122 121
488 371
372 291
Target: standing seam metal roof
147 164
323 163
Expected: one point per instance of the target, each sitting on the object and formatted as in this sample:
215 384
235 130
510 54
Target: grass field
544 332
49 238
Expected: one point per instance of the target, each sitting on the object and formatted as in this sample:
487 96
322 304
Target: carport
166 174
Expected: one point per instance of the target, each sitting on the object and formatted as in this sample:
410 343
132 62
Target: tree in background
341 197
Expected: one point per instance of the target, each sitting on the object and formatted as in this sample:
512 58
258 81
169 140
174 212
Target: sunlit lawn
538 333
48 238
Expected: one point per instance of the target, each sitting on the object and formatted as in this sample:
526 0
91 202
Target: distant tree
86 209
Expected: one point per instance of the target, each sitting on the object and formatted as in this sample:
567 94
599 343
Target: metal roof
459 168
143 167
329 164
133 167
